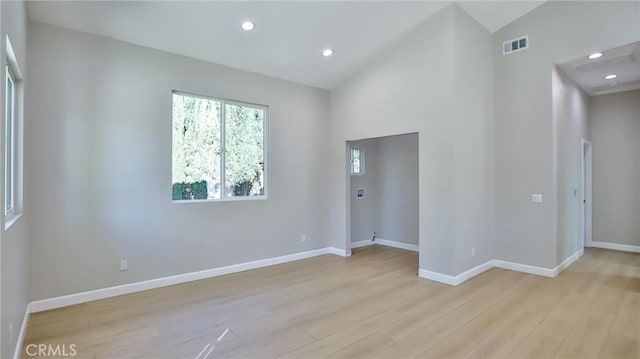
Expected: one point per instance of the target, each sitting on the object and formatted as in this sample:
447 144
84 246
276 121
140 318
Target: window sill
10 220
230 199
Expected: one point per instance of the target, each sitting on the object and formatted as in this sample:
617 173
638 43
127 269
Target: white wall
525 135
473 130
408 88
571 122
411 87
13 242
390 207
615 133
99 152
398 188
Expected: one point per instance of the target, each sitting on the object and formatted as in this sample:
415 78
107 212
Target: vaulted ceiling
288 38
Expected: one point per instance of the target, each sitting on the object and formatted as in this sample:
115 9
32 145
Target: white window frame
10 144
265 148
13 154
351 158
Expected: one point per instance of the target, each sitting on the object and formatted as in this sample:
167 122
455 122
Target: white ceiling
494 15
623 61
289 36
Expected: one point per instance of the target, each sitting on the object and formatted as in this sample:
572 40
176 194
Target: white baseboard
524 268
615 246
395 244
541 271
88 296
23 331
338 252
567 262
83 297
364 243
385 242
438 277
455 280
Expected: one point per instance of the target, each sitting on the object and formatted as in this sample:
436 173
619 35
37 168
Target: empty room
320 179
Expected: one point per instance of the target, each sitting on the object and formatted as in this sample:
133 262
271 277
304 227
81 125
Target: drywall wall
473 130
615 137
410 87
571 121
407 88
526 140
397 162
100 142
365 211
14 295
390 179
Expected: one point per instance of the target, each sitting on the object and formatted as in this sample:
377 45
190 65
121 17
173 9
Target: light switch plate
536 198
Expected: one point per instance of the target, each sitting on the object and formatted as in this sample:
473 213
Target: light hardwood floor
371 305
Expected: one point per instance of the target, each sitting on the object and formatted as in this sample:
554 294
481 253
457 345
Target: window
218 149
9 153
12 111
357 161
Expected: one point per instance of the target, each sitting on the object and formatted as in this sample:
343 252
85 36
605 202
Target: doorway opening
586 193
382 205
596 116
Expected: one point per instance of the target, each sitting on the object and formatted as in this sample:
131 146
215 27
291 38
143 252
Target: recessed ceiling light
327 52
610 77
595 55
248 26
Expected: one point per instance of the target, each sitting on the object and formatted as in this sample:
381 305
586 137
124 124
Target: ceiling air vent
515 45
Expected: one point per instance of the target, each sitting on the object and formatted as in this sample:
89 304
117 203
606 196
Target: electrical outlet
473 252
123 265
303 238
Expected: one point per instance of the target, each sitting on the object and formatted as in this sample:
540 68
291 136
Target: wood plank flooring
371 305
